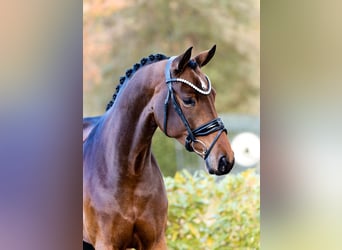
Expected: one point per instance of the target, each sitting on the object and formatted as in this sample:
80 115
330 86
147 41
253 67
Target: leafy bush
210 213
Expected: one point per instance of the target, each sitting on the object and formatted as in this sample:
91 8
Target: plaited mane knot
109 104
136 66
160 57
129 72
192 64
122 79
143 61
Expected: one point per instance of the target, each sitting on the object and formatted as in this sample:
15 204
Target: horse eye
189 102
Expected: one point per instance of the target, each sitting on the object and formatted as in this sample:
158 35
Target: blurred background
117 34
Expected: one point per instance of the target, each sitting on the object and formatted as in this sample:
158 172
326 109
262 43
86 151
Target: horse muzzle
223 166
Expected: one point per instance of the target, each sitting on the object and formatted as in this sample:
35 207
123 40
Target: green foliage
172 156
210 214
164 150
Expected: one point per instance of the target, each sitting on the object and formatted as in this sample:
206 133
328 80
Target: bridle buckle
203 151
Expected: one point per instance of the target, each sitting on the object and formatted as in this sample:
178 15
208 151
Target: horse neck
129 125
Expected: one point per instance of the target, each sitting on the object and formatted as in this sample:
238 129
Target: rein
203 130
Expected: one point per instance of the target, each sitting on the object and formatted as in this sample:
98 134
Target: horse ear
182 60
204 57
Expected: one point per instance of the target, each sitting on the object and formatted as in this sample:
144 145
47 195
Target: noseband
203 130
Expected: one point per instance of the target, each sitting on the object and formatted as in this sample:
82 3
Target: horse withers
124 197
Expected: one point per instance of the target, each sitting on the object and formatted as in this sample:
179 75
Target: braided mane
144 61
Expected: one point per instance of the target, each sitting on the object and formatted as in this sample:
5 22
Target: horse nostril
224 166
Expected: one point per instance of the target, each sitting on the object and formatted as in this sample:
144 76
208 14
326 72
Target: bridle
203 130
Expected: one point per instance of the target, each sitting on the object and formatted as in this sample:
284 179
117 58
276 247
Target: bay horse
124 198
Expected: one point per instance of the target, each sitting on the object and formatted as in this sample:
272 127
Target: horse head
185 110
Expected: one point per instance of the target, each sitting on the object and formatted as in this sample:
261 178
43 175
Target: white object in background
246 147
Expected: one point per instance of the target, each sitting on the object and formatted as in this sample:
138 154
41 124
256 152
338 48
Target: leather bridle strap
178 111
